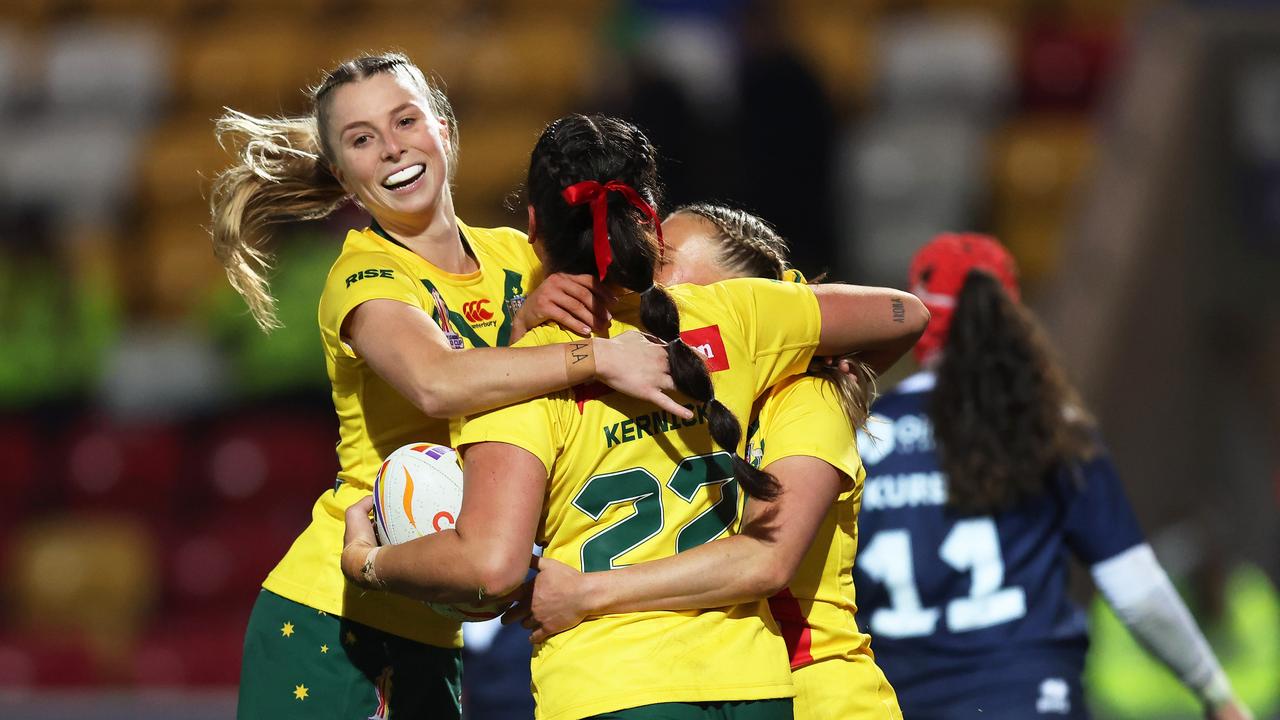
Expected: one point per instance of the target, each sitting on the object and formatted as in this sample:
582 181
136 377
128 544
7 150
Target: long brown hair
1004 415
283 174
751 247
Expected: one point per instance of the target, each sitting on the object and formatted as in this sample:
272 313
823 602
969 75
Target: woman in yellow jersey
410 318
602 480
797 551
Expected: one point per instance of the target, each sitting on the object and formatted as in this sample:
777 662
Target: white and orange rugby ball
418 491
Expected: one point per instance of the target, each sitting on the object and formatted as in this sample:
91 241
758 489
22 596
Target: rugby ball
418 491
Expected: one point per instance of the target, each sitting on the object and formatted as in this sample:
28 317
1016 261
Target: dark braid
577 148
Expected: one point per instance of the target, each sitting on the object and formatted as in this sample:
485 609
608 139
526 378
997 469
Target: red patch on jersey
707 341
589 391
796 631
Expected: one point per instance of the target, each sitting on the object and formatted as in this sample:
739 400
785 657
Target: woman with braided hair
403 356
601 480
803 435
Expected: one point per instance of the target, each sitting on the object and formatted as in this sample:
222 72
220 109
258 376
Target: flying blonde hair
282 174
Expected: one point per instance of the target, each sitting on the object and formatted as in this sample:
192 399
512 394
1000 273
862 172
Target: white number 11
971 545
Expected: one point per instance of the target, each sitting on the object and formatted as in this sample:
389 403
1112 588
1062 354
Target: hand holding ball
418 491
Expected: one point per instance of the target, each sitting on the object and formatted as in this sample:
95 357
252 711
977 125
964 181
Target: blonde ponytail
279 176
855 390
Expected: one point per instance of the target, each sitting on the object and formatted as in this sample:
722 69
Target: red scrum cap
937 274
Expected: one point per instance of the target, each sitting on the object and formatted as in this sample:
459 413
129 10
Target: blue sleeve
1100 521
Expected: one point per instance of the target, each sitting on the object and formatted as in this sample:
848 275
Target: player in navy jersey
984 473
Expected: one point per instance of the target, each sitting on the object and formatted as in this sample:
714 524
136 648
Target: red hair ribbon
596 193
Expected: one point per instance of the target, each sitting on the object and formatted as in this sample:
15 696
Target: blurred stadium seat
161 370
1065 68
105 585
909 177
14 82
45 660
247 64
177 164
166 10
509 65
1037 167
839 41
76 167
20 448
129 468
177 265
492 163
264 461
199 650
379 32
961 64
217 566
117 69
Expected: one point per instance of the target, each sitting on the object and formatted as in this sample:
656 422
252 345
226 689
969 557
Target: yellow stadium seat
380 33
583 12
92 575
178 162
31 11
251 65
538 63
169 10
839 45
181 267
493 163
1038 166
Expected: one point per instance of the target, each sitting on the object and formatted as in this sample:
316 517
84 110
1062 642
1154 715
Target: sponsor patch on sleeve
370 273
707 341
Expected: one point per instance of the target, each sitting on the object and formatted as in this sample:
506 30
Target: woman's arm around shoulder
405 347
754 564
879 324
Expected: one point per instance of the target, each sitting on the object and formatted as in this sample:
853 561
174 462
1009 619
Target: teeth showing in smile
405 176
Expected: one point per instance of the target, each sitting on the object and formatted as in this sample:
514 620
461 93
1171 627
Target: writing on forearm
579 361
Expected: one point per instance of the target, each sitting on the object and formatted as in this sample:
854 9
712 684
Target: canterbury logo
474 311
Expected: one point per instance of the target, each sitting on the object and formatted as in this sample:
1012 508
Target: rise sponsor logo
371 273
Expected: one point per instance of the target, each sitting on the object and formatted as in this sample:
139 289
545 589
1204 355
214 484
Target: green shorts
302 663
743 710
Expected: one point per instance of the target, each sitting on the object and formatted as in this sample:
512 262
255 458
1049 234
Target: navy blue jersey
956 603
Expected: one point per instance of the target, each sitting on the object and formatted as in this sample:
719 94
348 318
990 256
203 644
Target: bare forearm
464 383
404 346
416 569
725 572
879 324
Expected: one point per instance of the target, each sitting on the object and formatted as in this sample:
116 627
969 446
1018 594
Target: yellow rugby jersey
803 416
476 308
629 483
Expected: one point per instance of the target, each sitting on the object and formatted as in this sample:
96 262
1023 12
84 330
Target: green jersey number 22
641 489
